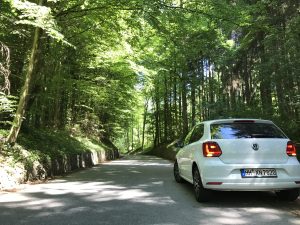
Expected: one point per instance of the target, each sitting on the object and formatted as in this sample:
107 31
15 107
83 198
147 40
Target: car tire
177 176
202 194
288 195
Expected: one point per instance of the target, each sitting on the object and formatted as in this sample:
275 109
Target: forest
142 73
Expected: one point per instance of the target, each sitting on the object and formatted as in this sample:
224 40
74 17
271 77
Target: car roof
231 120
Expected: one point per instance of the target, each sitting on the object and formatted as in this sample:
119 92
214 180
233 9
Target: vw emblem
255 147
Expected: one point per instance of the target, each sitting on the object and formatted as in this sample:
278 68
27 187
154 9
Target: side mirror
179 144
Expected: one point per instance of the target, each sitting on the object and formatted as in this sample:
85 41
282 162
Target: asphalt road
137 190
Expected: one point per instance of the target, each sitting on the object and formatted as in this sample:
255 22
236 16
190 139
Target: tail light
211 149
291 149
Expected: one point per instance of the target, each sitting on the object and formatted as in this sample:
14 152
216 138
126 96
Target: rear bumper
255 186
228 176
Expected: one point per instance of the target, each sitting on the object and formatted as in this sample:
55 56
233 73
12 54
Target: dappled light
85 82
139 190
150 162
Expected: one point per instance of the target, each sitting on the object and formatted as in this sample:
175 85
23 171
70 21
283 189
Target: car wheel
177 176
288 195
202 194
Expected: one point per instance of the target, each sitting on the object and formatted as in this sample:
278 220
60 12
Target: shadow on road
138 190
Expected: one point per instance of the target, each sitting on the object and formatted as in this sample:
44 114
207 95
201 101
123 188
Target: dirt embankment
166 151
27 167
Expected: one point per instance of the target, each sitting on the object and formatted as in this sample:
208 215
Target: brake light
211 149
244 121
291 149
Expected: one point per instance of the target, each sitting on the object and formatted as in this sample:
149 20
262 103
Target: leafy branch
38 16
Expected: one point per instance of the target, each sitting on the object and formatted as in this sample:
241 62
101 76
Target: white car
238 155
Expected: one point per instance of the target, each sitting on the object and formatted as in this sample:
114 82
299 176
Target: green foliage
143 71
233 58
51 143
59 143
38 16
7 108
7 103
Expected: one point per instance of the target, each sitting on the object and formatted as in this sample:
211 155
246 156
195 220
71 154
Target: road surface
137 190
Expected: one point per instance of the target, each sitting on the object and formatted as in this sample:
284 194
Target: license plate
258 173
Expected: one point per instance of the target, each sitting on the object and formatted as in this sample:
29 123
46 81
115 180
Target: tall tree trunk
166 110
185 121
144 122
193 98
171 135
200 89
211 83
247 79
266 80
18 119
175 104
132 134
179 124
157 121
128 140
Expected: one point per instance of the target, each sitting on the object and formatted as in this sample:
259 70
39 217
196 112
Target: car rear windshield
245 130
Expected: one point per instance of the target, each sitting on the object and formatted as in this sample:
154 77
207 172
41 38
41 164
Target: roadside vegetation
138 74
41 155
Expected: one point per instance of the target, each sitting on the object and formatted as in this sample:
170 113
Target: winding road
137 190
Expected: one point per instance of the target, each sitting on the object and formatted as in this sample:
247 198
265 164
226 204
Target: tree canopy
143 72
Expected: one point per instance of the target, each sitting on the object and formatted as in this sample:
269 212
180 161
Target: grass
51 143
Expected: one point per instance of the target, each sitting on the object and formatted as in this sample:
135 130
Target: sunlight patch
156 201
294 221
224 220
140 163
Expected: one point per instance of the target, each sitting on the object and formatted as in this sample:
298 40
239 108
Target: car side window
188 137
197 133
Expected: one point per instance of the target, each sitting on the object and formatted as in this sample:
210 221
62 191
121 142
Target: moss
44 153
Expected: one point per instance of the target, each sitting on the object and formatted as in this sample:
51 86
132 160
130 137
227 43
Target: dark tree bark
144 121
166 110
185 122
